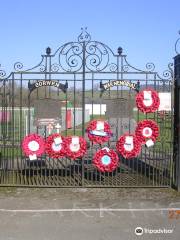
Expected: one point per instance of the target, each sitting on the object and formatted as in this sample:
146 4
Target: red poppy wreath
147 131
147 101
98 131
106 160
33 145
54 146
75 147
128 146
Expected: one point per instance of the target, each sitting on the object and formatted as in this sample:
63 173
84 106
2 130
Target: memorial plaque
119 108
47 111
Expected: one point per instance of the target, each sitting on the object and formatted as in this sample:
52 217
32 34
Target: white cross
58 126
50 128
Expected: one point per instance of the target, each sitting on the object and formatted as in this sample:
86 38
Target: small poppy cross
49 128
58 126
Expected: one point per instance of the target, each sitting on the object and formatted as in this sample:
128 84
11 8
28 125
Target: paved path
90 214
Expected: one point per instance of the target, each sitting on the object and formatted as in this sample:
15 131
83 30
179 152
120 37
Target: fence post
176 121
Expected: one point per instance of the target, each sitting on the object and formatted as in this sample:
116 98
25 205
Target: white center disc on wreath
128 145
147 132
106 160
33 146
56 147
74 147
147 98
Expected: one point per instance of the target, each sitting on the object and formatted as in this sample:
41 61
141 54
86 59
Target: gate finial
119 50
84 36
48 50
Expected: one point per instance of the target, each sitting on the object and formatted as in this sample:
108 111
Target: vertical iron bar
92 97
172 133
176 120
74 109
117 120
3 134
21 128
83 90
83 105
13 130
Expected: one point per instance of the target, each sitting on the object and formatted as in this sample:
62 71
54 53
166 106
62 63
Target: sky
146 30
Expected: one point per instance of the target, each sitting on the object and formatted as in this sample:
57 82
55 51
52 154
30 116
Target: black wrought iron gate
80 69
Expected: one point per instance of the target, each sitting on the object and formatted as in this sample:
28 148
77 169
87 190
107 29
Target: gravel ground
50 214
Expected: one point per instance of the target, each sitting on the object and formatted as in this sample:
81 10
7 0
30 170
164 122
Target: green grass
9 152
71 132
164 141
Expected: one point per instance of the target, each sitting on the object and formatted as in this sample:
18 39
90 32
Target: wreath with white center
55 146
128 146
33 146
147 132
147 101
106 160
75 146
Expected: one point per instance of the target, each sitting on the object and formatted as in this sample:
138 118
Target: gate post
176 121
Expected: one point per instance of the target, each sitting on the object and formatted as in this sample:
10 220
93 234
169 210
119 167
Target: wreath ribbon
98 131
